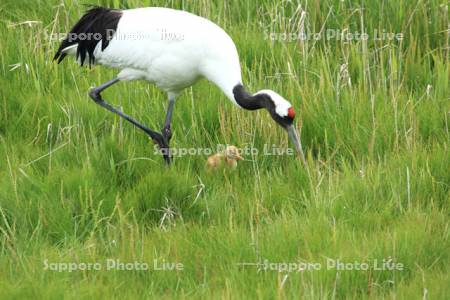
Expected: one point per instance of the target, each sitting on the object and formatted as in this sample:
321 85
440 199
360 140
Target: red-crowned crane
172 49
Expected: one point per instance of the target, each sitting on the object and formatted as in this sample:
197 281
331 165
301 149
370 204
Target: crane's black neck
247 101
257 101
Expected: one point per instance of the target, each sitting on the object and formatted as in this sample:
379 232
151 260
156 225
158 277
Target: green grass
79 185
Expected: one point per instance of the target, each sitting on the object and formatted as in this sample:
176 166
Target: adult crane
172 49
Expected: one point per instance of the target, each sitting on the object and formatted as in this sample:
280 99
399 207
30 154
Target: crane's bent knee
95 95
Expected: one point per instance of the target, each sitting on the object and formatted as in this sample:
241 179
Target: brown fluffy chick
228 158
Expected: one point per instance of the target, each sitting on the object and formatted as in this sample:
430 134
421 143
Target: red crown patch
291 113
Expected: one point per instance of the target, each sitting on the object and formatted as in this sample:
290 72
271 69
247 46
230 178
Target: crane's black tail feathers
97 24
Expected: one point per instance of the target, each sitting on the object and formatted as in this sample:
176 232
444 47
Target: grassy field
79 186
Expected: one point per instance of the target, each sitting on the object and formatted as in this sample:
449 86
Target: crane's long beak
293 135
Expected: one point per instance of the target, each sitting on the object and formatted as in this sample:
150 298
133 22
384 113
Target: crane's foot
166 132
163 146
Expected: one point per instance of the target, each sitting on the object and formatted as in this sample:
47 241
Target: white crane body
172 49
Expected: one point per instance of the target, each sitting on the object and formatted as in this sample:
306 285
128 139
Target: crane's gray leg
94 93
166 130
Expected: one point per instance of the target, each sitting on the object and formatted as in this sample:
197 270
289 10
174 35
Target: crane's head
279 108
283 113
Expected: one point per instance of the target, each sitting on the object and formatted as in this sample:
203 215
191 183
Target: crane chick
228 158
